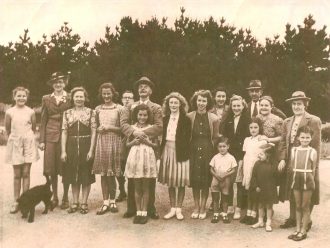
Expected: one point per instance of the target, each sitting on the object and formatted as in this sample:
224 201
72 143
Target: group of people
223 141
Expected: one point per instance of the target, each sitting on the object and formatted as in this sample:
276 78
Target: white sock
248 212
253 214
106 202
144 213
139 213
112 201
261 219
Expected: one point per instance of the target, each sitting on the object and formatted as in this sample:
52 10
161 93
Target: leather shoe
300 236
309 226
153 216
128 215
288 223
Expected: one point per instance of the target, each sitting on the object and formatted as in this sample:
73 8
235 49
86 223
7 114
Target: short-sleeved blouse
86 116
272 125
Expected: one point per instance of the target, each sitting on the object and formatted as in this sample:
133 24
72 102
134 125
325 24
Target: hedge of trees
193 54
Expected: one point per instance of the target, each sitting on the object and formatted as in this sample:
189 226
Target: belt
82 136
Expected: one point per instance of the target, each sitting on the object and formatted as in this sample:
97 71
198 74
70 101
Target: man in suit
127 99
53 106
255 90
144 87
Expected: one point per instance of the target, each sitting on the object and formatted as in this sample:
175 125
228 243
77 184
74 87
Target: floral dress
79 125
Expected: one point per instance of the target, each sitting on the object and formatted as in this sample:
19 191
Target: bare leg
26 176
224 201
138 193
85 193
181 193
215 200
17 180
112 187
66 187
306 201
75 192
205 194
298 200
196 195
145 189
54 186
172 195
105 187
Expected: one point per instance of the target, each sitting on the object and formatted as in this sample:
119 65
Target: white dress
141 160
251 147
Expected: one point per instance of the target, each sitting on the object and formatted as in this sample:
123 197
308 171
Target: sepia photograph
144 123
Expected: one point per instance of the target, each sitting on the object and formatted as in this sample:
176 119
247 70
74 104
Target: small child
141 163
20 123
251 147
263 182
303 162
222 167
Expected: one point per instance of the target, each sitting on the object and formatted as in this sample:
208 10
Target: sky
89 18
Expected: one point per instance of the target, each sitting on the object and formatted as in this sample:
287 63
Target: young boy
222 167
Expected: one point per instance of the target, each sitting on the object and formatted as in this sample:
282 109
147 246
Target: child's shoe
178 213
259 224
144 218
252 221
170 214
245 219
237 214
137 217
268 226
215 218
225 219
230 210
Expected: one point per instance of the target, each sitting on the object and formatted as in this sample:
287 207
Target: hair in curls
108 85
139 108
267 98
183 103
20 88
203 93
76 89
220 88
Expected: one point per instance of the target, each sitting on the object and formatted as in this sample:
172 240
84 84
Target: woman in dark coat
236 128
174 165
205 130
53 106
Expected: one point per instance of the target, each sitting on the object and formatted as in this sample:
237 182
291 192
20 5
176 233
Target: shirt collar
64 94
144 102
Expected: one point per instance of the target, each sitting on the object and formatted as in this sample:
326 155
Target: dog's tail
48 182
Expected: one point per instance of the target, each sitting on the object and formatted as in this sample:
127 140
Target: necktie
255 110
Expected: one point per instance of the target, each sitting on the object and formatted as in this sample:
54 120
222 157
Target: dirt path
61 230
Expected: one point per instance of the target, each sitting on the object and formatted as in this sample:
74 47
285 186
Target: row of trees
193 54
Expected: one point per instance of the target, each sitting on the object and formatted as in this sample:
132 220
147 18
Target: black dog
32 197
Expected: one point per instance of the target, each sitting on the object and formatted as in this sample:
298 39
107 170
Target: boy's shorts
221 186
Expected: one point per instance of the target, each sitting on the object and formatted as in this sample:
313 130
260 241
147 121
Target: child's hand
258 189
89 155
263 137
136 141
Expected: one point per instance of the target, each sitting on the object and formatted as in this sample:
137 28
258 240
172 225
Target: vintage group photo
193 124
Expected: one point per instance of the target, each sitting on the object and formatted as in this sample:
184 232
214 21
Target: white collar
144 102
64 94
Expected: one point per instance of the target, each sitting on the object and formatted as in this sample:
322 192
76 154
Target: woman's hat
298 95
58 75
144 80
254 84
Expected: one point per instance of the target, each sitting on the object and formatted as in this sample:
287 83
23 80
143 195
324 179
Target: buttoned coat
51 118
314 123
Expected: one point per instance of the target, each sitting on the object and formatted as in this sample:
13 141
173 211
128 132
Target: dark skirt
52 159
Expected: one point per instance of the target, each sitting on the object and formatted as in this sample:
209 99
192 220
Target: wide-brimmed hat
144 80
58 75
254 84
298 95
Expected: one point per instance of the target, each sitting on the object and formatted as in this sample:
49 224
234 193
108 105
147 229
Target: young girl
263 182
141 163
303 161
20 122
251 147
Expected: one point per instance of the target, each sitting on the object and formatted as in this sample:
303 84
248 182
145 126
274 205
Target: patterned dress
201 152
141 160
108 150
79 125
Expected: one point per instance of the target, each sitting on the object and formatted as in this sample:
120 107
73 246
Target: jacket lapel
290 123
210 123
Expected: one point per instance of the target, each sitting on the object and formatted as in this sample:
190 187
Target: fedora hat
58 75
144 80
298 95
254 84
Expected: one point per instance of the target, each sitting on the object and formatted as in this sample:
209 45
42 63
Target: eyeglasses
127 97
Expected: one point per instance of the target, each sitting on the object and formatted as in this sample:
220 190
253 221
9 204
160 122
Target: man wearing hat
144 87
299 102
255 90
53 106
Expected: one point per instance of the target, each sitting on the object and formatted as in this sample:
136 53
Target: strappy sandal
300 236
215 218
194 215
113 208
65 204
73 208
84 208
291 236
103 210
